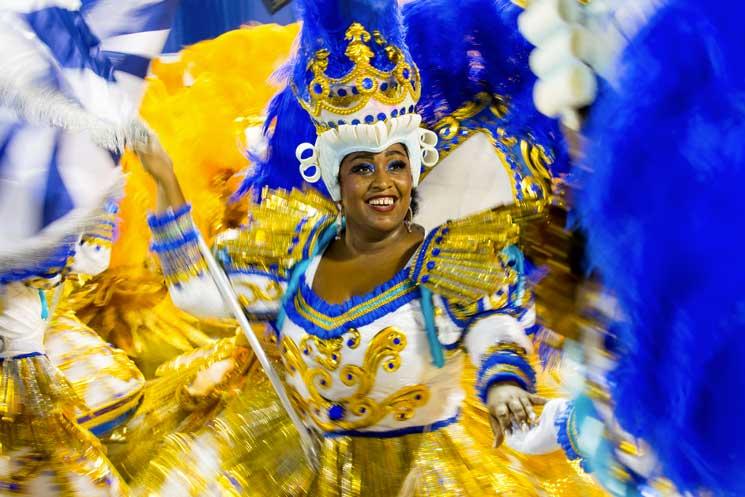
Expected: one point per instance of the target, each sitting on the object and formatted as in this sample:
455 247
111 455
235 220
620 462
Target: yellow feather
192 103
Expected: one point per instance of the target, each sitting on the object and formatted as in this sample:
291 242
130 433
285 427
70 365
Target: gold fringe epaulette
462 261
283 229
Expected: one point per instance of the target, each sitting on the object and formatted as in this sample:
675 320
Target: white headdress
368 109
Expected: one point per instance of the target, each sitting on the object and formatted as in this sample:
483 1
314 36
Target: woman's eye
397 165
363 168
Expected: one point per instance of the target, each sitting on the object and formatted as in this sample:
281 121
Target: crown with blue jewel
362 100
369 92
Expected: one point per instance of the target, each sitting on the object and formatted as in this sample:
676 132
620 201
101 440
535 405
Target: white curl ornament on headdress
322 160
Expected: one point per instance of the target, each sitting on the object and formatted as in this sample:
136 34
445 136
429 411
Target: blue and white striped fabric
71 62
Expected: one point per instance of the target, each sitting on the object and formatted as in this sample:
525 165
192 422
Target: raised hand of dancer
159 166
509 405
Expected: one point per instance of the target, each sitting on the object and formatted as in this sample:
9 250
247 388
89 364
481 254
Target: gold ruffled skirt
104 377
43 451
168 408
252 449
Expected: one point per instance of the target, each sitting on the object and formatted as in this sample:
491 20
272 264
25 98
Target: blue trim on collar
393 433
422 253
406 294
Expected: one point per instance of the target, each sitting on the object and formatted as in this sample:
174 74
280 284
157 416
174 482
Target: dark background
198 20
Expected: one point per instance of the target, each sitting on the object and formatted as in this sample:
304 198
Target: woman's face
376 188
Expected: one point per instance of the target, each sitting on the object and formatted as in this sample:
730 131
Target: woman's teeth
381 201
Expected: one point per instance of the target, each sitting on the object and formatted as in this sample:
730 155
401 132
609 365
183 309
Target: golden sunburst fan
132 310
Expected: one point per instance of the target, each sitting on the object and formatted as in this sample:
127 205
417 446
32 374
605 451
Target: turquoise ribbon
438 358
603 458
44 305
299 269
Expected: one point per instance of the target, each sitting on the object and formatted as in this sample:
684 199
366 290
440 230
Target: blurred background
198 20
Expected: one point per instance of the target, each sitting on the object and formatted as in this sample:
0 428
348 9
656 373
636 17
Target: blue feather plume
471 46
461 48
662 210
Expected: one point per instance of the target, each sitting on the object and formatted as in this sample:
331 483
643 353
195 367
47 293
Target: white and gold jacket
381 364
23 306
103 377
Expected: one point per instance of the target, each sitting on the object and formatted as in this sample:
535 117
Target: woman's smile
382 203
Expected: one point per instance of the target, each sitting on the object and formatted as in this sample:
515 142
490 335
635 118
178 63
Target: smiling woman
376 191
374 318
376 194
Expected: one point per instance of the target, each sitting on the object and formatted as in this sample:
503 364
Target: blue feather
288 125
663 213
461 48
471 46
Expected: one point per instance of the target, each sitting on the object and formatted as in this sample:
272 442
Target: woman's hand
158 165
220 378
206 380
509 404
156 161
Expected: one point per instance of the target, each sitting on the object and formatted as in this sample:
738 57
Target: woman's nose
382 178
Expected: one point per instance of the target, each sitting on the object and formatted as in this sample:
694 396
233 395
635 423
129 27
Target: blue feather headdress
461 50
662 210
354 81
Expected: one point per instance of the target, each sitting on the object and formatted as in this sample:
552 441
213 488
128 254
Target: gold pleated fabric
44 451
251 449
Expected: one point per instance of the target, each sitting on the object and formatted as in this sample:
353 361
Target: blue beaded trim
164 218
317 317
188 238
371 118
489 373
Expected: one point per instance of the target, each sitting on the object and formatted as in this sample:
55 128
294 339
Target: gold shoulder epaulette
460 260
283 229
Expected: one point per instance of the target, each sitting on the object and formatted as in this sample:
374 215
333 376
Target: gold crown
353 92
